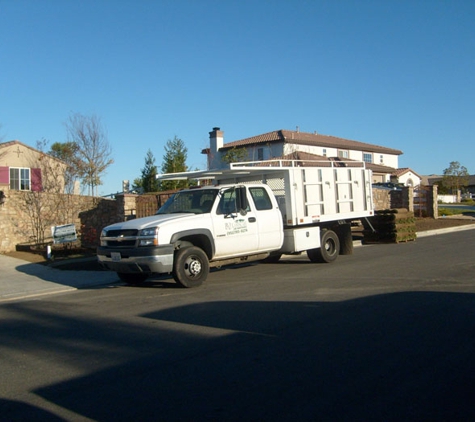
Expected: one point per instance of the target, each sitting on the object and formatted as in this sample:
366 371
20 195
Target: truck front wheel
190 267
328 250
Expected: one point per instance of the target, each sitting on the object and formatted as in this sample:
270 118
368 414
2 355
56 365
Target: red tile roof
308 159
304 138
401 171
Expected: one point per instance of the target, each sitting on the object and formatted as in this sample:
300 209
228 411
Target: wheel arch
201 238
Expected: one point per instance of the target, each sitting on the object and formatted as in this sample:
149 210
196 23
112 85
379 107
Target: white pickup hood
144 222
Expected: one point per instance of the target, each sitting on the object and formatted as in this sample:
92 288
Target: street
384 334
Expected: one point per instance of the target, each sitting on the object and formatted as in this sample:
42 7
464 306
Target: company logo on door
236 227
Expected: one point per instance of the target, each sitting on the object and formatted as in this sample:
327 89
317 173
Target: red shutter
36 184
4 175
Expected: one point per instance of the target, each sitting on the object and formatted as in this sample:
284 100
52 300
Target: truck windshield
197 201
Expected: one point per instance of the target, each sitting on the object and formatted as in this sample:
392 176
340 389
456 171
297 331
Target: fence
425 201
148 204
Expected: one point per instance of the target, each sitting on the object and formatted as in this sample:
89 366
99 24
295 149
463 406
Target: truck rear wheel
190 267
132 278
328 250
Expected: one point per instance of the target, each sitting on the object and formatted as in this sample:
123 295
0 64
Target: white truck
251 211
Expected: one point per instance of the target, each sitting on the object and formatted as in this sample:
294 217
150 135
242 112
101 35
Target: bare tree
93 149
44 204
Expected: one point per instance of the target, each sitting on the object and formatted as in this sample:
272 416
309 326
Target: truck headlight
151 231
148 236
102 241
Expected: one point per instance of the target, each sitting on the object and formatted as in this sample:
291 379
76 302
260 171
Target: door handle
251 219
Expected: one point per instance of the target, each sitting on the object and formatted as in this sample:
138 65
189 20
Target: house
382 161
27 169
406 176
434 179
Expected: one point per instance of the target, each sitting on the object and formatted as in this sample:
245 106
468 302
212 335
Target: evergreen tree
67 152
455 177
149 181
174 161
235 155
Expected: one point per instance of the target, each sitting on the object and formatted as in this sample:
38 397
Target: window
367 157
324 152
19 179
261 199
227 203
343 154
196 201
381 160
260 154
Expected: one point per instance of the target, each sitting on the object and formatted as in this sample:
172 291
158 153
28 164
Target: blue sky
395 73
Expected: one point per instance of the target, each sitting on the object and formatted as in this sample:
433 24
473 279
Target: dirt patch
424 224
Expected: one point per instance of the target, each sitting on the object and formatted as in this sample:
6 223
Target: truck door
236 233
269 220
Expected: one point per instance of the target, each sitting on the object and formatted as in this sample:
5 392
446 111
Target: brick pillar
432 202
126 206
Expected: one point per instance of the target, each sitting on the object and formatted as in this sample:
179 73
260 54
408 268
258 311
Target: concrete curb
447 230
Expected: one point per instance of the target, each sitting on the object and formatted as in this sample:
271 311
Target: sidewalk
21 279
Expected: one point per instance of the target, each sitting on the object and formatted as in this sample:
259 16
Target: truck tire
329 249
346 239
272 258
132 278
190 267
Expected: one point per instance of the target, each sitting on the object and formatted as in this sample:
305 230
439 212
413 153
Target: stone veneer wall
385 199
89 214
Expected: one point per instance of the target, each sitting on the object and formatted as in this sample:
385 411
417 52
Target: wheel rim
330 246
193 266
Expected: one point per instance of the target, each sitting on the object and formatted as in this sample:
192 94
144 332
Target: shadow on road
401 356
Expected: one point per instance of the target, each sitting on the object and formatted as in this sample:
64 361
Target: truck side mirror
241 200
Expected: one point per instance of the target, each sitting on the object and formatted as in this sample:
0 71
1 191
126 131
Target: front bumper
155 259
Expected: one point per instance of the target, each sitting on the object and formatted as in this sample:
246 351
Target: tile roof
306 158
304 138
9 143
404 170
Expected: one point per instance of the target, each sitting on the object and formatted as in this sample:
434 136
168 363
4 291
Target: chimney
216 140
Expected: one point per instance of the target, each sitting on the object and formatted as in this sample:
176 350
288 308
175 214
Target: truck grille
123 233
123 238
121 244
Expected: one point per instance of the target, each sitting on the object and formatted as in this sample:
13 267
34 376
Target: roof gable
4 145
400 172
315 139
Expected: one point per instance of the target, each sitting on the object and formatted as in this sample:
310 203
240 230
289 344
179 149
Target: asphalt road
386 334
